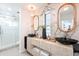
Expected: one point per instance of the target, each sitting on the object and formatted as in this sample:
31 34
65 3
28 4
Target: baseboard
21 51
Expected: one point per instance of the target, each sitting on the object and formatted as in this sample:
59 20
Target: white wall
76 34
25 23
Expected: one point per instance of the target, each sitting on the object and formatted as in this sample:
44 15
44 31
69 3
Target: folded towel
36 49
44 53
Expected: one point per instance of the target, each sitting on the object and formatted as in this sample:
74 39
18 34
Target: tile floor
14 51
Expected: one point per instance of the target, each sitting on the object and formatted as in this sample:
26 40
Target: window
48 18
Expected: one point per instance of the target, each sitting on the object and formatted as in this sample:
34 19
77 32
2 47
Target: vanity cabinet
41 47
44 45
29 45
57 49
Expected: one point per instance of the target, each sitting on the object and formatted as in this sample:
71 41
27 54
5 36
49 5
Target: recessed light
9 9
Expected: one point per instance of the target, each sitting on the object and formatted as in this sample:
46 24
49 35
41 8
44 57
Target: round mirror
67 17
36 22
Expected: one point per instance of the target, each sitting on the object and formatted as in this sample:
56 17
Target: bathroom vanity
66 23
44 47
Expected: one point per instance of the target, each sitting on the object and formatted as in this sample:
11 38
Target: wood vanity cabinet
38 47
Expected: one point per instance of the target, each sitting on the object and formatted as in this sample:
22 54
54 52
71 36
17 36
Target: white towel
36 49
44 53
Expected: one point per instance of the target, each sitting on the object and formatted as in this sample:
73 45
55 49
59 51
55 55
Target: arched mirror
36 22
67 17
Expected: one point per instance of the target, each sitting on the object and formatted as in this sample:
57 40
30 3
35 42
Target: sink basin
66 41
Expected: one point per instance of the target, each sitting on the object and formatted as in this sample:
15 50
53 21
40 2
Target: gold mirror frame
38 21
74 17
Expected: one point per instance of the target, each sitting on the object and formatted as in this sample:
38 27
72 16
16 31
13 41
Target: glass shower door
0 36
8 32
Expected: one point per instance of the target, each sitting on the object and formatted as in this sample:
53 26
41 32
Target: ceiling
41 6
9 9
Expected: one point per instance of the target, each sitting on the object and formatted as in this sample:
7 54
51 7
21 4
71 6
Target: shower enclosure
9 31
9 24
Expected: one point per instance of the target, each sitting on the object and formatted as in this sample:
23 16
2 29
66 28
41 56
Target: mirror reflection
36 22
48 20
41 20
66 18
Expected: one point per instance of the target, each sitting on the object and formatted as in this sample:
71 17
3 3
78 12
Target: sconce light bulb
66 8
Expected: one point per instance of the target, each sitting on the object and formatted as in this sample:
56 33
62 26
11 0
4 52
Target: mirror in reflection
36 22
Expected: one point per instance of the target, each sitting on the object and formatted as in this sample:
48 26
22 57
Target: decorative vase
44 33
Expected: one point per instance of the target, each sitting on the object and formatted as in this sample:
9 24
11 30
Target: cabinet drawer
35 51
60 51
36 42
44 45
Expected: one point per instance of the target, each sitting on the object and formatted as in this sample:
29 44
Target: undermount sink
66 41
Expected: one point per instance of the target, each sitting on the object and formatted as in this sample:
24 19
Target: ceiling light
32 15
9 9
31 7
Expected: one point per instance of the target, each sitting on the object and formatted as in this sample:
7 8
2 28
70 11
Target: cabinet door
29 45
61 50
44 45
36 42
